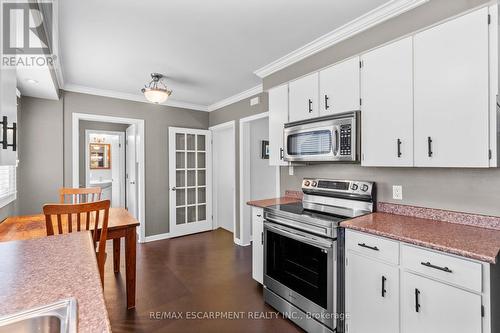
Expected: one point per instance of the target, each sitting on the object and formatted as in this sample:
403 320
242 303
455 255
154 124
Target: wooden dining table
121 224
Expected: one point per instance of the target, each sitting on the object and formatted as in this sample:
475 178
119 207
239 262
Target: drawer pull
417 300
258 215
444 269
374 248
383 285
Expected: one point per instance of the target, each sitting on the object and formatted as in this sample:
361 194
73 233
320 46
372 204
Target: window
8 189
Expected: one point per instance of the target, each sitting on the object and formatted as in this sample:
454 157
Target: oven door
301 268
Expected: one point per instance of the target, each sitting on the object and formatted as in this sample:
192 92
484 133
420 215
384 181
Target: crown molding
236 98
372 18
131 97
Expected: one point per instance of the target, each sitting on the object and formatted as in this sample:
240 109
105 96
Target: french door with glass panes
190 163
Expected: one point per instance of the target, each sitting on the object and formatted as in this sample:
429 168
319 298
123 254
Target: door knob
132 183
174 189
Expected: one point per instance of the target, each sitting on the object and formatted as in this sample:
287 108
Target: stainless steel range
304 254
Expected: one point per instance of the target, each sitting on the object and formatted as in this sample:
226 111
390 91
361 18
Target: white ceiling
208 49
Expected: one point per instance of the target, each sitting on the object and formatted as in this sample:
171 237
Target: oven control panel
356 187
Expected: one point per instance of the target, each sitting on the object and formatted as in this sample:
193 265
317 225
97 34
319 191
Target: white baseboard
157 237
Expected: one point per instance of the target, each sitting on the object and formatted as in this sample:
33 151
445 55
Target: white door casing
190 181
131 163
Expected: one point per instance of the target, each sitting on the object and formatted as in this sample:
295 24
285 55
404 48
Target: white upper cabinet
303 98
339 87
387 110
8 108
451 93
278 116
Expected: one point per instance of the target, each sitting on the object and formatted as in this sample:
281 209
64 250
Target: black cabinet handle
262 238
417 300
258 215
310 105
429 146
399 148
383 285
444 269
14 137
281 153
374 248
4 132
326 102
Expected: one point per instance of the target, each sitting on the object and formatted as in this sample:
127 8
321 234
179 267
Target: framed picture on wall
265 150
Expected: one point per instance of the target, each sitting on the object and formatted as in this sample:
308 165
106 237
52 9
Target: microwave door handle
337 141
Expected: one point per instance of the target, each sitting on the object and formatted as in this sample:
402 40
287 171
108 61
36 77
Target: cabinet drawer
373 246
461 272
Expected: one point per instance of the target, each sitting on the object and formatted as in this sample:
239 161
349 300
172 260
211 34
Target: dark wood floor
201 272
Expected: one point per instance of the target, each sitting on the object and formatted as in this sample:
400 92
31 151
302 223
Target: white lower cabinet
372 295
258 244
434 307
425 291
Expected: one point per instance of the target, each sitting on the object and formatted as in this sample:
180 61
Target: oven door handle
322 244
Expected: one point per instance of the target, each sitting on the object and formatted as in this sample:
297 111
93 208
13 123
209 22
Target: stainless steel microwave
324 139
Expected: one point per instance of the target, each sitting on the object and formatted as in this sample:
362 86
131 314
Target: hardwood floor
204 272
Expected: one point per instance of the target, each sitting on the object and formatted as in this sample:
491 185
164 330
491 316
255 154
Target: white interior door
131 178
190 181
224 177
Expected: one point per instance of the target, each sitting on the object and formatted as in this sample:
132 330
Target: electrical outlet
290 170
397 192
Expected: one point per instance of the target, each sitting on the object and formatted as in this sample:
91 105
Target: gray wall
40 171
46 134
416 19
157 119
92 125
237 111
466 190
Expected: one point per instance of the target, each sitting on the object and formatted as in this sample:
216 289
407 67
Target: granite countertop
41 271
464 240
272 202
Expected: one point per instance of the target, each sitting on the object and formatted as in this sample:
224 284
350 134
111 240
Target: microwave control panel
345 140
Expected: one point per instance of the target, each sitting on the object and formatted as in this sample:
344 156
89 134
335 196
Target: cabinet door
433 307
451 93
257 245
387 110
339 87
372 295
8 108
304 98
278 116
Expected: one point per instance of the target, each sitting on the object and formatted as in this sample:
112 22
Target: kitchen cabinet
8 108
303 98
425 290
372 295
278 117
451 115
258 244
387 110
339 88
433 307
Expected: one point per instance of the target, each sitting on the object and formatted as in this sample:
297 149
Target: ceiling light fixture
156 91
32 81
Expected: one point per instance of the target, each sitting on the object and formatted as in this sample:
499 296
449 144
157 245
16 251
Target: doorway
105 162
224 178
136 136
258 180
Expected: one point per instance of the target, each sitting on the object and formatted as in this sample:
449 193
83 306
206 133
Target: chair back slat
64 214
79 195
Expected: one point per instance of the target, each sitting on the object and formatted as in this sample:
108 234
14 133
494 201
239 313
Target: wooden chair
79 195
88 216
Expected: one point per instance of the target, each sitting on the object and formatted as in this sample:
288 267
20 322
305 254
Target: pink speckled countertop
271 202
41 271
467 241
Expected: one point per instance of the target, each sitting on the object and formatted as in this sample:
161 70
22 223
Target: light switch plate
290 170
397 192
254 101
